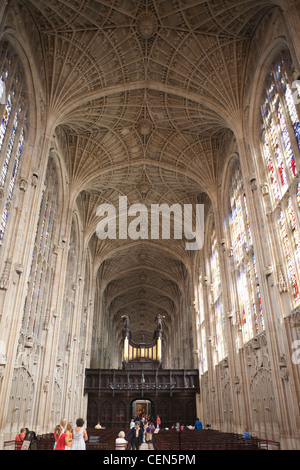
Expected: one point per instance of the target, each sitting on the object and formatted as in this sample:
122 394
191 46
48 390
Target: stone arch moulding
265 62
34 87
144 85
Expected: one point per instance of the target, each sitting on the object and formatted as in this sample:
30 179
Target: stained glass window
280 149
35 305
289 256
216 294
280 131
203 359
201 334
291 106
12 129
244 304
200 301
250 318
5 118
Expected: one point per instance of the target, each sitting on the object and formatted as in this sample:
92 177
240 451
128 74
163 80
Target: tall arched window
13 128
250 315
280 145
71 285
202 344
41 270
217 313
36 315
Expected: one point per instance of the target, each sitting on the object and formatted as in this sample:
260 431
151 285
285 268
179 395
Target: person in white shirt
121 443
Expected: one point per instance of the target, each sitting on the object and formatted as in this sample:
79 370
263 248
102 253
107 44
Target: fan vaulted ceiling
145 93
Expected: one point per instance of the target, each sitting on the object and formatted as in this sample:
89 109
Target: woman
69 432
79 436
61 438
149 435
63 423
121 443
158 422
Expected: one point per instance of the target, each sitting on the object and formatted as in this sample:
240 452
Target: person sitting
19 439
198 425
121 443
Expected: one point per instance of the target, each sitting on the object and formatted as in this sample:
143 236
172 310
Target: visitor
135 436
131 424
19 439
31 440
63 423
149 435
79 436
69 432
247 435
61 438
198 425
121 443
158 422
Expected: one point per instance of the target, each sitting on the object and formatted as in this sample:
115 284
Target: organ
142 355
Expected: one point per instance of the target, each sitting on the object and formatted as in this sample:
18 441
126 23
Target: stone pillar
73 355
50 368
3 5
14 275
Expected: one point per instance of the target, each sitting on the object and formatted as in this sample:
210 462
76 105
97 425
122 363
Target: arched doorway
142 406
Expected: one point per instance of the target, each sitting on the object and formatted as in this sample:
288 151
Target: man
135 436
198 425
19 439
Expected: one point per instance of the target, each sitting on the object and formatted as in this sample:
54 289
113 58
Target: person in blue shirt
247 435
198 425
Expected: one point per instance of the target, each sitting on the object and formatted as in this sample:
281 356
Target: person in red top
61 439
158 422
19 439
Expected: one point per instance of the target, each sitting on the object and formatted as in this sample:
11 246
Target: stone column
14 275
3 5
51 347
73 355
